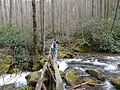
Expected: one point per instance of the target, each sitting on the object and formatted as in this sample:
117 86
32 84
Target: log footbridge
52 67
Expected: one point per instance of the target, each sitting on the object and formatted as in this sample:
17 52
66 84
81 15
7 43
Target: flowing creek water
105 64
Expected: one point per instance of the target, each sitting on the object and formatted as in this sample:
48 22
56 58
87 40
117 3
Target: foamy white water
108 86
62 65
70 60
18 79
110 67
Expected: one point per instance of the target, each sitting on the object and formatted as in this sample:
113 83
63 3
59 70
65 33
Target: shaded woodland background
68 14
26 26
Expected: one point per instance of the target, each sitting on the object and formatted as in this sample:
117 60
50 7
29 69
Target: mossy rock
5 62
61 55
32 78
97 74
116 82
4 68
6 59
118 65
71 76
61 49
89 81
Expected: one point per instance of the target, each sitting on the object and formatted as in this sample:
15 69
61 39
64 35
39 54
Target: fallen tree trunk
40 81
59 82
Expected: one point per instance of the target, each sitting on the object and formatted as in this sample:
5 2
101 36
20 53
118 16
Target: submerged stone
116 82
97 74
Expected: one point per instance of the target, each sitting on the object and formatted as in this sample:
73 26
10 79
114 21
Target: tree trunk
106 14
1 12
118 1
61 31
53 24
5 9
10 12
34 27
100 8
21 10
42 2
92 8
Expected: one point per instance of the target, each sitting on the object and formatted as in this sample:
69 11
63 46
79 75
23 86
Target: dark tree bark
34 27
101 8
92 8
116 10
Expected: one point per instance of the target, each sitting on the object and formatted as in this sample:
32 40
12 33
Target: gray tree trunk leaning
42 2
34 27
118 1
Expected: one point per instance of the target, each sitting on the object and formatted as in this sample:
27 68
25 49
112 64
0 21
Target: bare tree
34 27
21 10
1 12
42 25
101 8
5 10
53 24
10 12
117 6
92 8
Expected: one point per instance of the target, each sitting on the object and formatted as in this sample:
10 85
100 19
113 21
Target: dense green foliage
17 41
92 34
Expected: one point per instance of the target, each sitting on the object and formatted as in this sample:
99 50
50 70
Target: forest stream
106 64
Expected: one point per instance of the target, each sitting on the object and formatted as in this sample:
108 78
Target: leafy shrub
17 40
93 33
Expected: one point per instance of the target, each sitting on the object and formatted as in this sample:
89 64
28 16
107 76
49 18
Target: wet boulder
32 78
116 82
97 74
71 76
118 65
